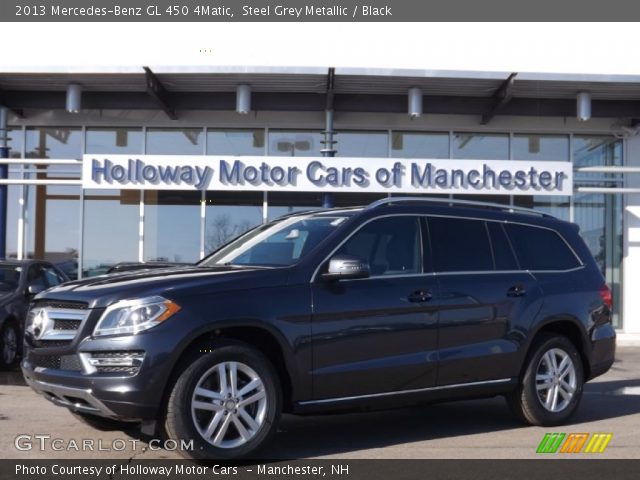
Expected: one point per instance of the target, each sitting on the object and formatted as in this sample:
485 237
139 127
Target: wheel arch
254 334
567 326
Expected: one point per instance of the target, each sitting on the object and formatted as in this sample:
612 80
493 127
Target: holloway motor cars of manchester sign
322 174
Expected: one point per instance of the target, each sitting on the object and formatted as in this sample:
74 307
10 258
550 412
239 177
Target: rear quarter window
541 248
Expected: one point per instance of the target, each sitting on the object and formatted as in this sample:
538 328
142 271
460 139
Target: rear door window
503 254
460 245
540 248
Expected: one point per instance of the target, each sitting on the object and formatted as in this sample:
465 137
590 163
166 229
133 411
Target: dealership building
146 164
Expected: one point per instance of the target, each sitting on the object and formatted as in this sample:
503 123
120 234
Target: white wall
631 261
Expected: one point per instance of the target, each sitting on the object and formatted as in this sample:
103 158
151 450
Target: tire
104 424
544 398
9 345
227 422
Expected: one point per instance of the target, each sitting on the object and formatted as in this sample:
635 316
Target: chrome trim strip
404 392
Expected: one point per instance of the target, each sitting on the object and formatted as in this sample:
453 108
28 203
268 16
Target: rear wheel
9 339
227 401
551 387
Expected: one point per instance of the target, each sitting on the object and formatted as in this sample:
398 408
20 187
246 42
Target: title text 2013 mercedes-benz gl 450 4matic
404 301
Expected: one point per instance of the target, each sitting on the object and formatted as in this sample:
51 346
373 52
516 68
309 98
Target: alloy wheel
556 380
229 404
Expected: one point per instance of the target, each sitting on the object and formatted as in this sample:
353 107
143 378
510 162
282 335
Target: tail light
605 294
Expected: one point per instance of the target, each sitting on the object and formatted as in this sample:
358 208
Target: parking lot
469 429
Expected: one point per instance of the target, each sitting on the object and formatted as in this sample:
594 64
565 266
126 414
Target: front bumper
122 398
76 399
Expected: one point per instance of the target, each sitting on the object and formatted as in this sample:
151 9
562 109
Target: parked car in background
404 301
20 280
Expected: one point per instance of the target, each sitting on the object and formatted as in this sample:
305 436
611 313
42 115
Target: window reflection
600 215
172 226
481 146
362 144
229 214
295 143
13 193
419 145
111 221
115 141
52 212
540 147
175 141
235 142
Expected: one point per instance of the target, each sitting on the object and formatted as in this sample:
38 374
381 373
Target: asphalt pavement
32 428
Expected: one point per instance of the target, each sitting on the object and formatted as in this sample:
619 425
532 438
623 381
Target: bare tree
221 229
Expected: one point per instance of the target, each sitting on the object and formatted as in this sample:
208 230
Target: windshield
277 244
9 277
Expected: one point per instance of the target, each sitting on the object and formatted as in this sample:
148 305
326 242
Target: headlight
129 317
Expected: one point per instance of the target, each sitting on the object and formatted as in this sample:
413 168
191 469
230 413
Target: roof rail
471 203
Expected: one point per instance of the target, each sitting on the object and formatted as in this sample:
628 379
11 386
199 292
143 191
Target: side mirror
33 290
342 267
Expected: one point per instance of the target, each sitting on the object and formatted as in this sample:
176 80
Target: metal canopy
359 90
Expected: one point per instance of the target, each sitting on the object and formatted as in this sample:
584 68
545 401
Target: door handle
516 291
420 296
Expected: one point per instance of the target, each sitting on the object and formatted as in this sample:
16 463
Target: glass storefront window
52 212
115 141
282 203
172 226
13 192
111 226
600 215
481 146
235 142
54 142
229 214
540 147
362 144
175 141
295 143
419 145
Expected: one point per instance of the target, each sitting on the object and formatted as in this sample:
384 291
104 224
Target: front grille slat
58 304
59 324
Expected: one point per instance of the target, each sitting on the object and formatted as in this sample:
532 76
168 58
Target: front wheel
228 402
551 387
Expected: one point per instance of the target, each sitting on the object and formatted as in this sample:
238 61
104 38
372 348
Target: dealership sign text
322 174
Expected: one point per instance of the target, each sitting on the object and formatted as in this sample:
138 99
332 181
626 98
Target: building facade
85 231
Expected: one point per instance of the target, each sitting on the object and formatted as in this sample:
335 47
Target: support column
631 235
4 174
328 151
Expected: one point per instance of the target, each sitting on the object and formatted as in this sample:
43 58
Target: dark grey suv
404 301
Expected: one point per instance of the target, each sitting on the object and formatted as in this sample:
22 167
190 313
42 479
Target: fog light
128 362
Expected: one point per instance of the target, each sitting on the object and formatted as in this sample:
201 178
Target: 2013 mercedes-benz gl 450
404 301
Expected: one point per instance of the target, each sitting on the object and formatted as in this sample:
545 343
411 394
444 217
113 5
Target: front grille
60 304
51 343
66 324
56 362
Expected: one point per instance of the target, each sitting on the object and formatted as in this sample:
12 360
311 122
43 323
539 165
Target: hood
175 282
